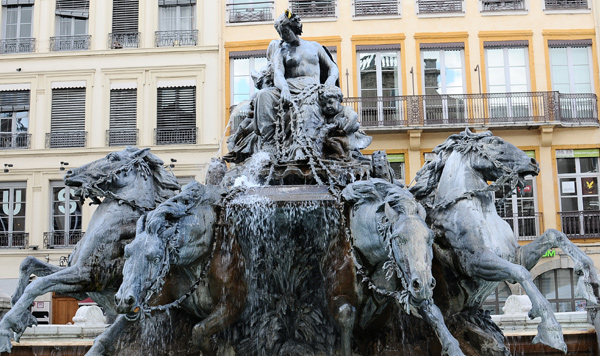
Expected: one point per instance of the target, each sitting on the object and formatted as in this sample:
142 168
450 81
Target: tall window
66 217
397 164
176 116
17 29
125 24
444 82
123 117
12 215
558 287
177 23
507 72
571 72
379 83
67 121
71 25
242 66
14 119
578 187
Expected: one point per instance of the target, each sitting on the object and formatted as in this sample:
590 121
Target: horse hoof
5 344
550 334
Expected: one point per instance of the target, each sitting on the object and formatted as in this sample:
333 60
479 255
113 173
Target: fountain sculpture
303 246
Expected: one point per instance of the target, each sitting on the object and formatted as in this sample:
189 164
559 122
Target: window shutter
73 8
14 100
68 110
125 16
176 2
123 109
176 108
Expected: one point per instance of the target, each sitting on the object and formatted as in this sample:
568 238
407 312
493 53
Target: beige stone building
79 79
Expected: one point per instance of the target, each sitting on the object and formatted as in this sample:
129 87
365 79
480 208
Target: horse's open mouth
134 314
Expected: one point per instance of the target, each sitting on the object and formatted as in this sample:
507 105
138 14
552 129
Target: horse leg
19 317
344 314
104 343
490 267
221 317
433 316
29 266
530 254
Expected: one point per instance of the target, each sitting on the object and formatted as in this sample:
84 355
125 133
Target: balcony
313 8
17 45
123 40
14 240
70 43
376 8
516 109
122 137
580 224
175 136
10 141
65 139
62 239
525 228
176 38
439 6
567 4
250 12
502 5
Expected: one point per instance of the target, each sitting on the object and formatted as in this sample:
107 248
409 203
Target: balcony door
444 83
508 73
177 23
379 83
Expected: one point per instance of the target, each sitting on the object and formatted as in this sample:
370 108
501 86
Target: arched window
558 286
495 301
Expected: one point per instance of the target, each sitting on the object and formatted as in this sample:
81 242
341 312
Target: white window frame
67 214
19 15
12 186
251 65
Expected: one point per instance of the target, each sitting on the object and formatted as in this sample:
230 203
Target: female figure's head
288 26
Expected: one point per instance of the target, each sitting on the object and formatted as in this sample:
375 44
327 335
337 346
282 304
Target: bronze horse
131 182
180 242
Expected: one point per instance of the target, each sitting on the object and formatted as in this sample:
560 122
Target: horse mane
164 181
428 177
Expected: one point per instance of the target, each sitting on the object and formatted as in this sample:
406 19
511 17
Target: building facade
417 71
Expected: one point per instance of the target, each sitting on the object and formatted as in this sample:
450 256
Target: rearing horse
473 242
131 182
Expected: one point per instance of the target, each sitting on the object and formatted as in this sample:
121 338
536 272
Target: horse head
387 222
165 236
118 176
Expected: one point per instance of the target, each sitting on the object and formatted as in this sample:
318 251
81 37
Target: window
376 7
495 301
67 122
566 4
176 116
571 73
558 287
313 8
125 24
578 188
177 23
379 83
444 83
502 5
17 29
123 117
397 165
66 217
439 7
508 72
71 26
14 119
249 11
242 66
12 215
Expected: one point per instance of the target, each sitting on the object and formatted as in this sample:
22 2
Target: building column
546 183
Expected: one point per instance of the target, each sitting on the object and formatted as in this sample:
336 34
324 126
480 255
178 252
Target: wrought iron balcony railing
63 139
525 228
580 224
566 4
124 40
467 109
439 6
17 45
122 137
250 12
62 239
373 8
175 136
313 8
502 5
70 43
14 240
176 38
15 140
